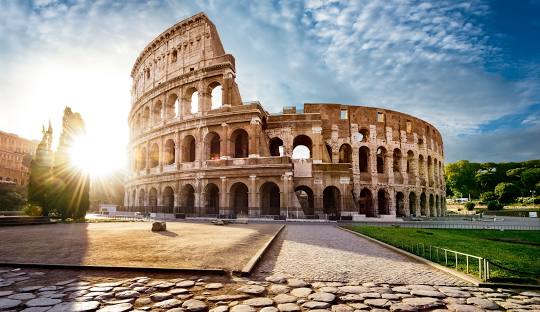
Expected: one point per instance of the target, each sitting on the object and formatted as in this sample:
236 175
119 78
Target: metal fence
451 225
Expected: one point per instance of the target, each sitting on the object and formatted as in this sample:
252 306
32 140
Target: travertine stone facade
15 156
199 152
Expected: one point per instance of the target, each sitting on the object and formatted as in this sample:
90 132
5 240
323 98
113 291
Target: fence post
456 259
480 268
467 257
445 257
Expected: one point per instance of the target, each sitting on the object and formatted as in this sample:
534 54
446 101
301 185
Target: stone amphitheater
197 150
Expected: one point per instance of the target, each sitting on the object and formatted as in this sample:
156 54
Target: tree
39 184
10 198
507 192
460 177
530 178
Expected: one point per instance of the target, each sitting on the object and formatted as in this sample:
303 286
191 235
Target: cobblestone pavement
326 253
34 291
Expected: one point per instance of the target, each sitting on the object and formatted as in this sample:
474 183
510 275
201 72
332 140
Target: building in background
15 156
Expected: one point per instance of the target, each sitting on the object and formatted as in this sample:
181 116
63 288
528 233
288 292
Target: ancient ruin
197 150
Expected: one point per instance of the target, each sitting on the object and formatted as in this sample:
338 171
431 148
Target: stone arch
383 202
154 155
215 90
187 199
239 199
396 160
142 198
432 206
169 155
423 206
172 106
410 163
366 203
306 199
276 147
152 199
302 145
168 199
188 149
381 161
240 143
270 199
157 112
141 158
400 204
329 152
211 192
212 143
363 159
332 201
190 102
146 117
363 135
412 204
345 153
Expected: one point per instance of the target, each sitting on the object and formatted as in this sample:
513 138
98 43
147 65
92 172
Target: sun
90 155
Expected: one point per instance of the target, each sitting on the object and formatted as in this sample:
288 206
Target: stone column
392 202
403 169
316 148
253 207
147 167
177 151
406 209
418 208
224 197
389 164
224 142
375 202
318 197
254 137
161 152
373 166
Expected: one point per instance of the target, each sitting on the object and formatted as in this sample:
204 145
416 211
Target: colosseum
197 150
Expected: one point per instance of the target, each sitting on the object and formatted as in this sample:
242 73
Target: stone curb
457 274
115 268
246 270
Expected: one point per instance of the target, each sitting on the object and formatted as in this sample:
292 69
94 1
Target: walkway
326 253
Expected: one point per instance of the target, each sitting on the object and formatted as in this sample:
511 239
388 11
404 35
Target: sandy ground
183 245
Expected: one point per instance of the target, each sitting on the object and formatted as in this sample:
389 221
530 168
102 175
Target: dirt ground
183 245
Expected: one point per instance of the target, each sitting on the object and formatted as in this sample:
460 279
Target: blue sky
472 68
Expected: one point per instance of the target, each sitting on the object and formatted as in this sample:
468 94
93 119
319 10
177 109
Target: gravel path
326 253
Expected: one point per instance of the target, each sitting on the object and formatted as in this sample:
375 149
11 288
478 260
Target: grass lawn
517 250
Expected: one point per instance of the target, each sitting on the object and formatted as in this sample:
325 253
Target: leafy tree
470 206
460 177
10 198
486 179
487 196
530 178
494 205
507 192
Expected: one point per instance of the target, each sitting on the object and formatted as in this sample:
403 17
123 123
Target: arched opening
152 199
400 204
332 201
142 198
213 146
270 199
302 147
410 163
412 204
169 156
366 203
432 206
239 199
240 142
276 147
194 102
381 155
329 152
383 202
157 111
216 95
188 149
362 135
168 199
146 117
423 208
306 199
363 159
132 199
141 159
190 101
422 170
396 160
345 154
154 155
212 199
187 199
172 106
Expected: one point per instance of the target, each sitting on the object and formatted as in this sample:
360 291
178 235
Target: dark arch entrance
363 159
270 199
306 199
240 141
382 200
212 199
412 204
423 210
152 200
366 203
275 144
187 197
345 154
332 202
239 199
168 199
400 204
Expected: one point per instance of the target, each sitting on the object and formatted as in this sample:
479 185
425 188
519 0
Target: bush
536 200
494 205
487 197
470 206
33 210
507 192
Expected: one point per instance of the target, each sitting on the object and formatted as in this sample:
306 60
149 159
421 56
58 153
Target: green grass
517 250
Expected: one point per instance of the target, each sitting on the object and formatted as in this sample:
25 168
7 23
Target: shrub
494 205
507 192
487 197
33 210
536 200
470 206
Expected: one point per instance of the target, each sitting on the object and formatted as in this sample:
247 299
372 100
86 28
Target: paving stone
227 297
221 308
6 283
277 278
49 288
178 291
322 296
358 306
530 293
167 304
161 296
342 308
351 297
30 288
379 303
354 289
4 293
427 293
285 298
269 309
75 306
402 307
390 296
42 302
6 303
301 292
213 286
36 309
64 283
463 308
101 289
127 294
423 302
259 302
422 287
278 289
242 308
185 284
143 301
108 284
371 295
329 289
104 296
22 296
164 285
252 289
483 303
76 288
295 283
194 305
316 305
288 307
116 307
